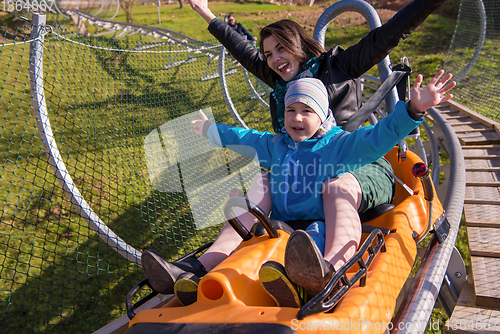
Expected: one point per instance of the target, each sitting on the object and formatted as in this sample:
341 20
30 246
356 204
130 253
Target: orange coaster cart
232 300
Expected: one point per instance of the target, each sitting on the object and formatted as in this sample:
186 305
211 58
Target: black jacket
340 69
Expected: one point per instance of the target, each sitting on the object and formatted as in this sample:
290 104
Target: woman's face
280 60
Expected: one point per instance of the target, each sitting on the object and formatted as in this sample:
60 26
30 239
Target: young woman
287 53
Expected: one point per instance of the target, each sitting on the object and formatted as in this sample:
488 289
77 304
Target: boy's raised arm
199 124
375 141
248 142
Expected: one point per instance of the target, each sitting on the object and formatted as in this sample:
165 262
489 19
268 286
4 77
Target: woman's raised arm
201 7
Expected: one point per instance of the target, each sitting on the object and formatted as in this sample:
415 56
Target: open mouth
282 68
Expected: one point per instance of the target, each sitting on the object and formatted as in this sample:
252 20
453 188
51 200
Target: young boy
306 155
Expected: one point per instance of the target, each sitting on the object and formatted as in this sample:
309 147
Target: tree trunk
130 19
127 7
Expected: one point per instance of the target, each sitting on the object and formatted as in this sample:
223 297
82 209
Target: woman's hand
201 7
198 124
425 97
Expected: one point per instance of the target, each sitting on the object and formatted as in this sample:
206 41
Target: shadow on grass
57 274
83 285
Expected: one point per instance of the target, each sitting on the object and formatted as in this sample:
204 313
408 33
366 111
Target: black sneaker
285 293
160 273
186 288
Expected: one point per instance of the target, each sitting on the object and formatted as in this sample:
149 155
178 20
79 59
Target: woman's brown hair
290 35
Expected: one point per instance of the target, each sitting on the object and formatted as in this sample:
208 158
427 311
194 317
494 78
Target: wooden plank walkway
478 307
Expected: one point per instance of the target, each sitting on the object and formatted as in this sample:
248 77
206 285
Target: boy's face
301 122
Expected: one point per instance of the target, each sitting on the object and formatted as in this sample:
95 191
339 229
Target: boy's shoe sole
186 288
285 293
304 263
160 273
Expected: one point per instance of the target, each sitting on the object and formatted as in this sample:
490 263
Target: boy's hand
198 124
425 97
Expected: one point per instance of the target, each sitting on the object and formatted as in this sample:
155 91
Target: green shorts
377 184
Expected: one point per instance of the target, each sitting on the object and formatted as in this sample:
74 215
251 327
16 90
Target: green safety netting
118 112
474 56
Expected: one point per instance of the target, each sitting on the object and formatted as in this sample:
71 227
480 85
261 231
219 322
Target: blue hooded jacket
298 169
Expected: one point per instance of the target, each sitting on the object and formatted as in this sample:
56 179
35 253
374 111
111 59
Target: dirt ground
385 8
309 16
